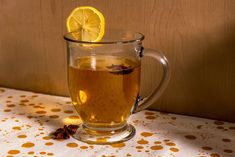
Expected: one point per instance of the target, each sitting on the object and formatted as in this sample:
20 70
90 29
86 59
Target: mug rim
137 37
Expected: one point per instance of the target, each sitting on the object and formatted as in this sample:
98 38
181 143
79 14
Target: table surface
27 119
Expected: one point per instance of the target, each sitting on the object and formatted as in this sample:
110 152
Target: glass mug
104 84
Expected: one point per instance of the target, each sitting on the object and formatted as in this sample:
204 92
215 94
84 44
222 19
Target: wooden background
197 36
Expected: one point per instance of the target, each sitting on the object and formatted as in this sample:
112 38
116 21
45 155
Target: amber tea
104 88
104 83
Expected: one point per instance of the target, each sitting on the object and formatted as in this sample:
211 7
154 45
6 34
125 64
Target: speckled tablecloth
27 118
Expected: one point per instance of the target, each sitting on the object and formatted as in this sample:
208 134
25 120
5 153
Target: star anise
65 132
72 129
120 69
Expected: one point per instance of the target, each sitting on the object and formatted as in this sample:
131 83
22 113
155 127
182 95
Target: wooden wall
197 36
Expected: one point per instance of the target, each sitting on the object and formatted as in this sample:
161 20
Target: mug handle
143 103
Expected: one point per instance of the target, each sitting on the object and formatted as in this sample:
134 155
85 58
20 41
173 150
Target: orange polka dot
50 154
31 152
139 147
29 117
206 148
199 126
142 141
16 128
22 104
83 147
25 100
146 134
68 111
54 116
156 147
72 145
28 145
42 153
228 151
11 105
37 106
190 137
232 128
49 143
170 144
13 152
21 136
157 142
174 149
220 127
118 145
41 112
55 110
226 140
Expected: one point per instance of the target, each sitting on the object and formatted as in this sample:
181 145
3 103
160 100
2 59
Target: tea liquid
104 88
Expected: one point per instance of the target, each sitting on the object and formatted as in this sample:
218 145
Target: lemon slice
87 23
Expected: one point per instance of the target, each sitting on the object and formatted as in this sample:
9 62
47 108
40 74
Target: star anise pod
120 69
72 129
65 132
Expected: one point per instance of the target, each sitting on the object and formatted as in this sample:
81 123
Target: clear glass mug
104 84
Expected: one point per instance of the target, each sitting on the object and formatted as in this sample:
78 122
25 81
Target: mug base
104 136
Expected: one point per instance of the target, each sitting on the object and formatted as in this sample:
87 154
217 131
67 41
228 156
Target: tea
104 88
